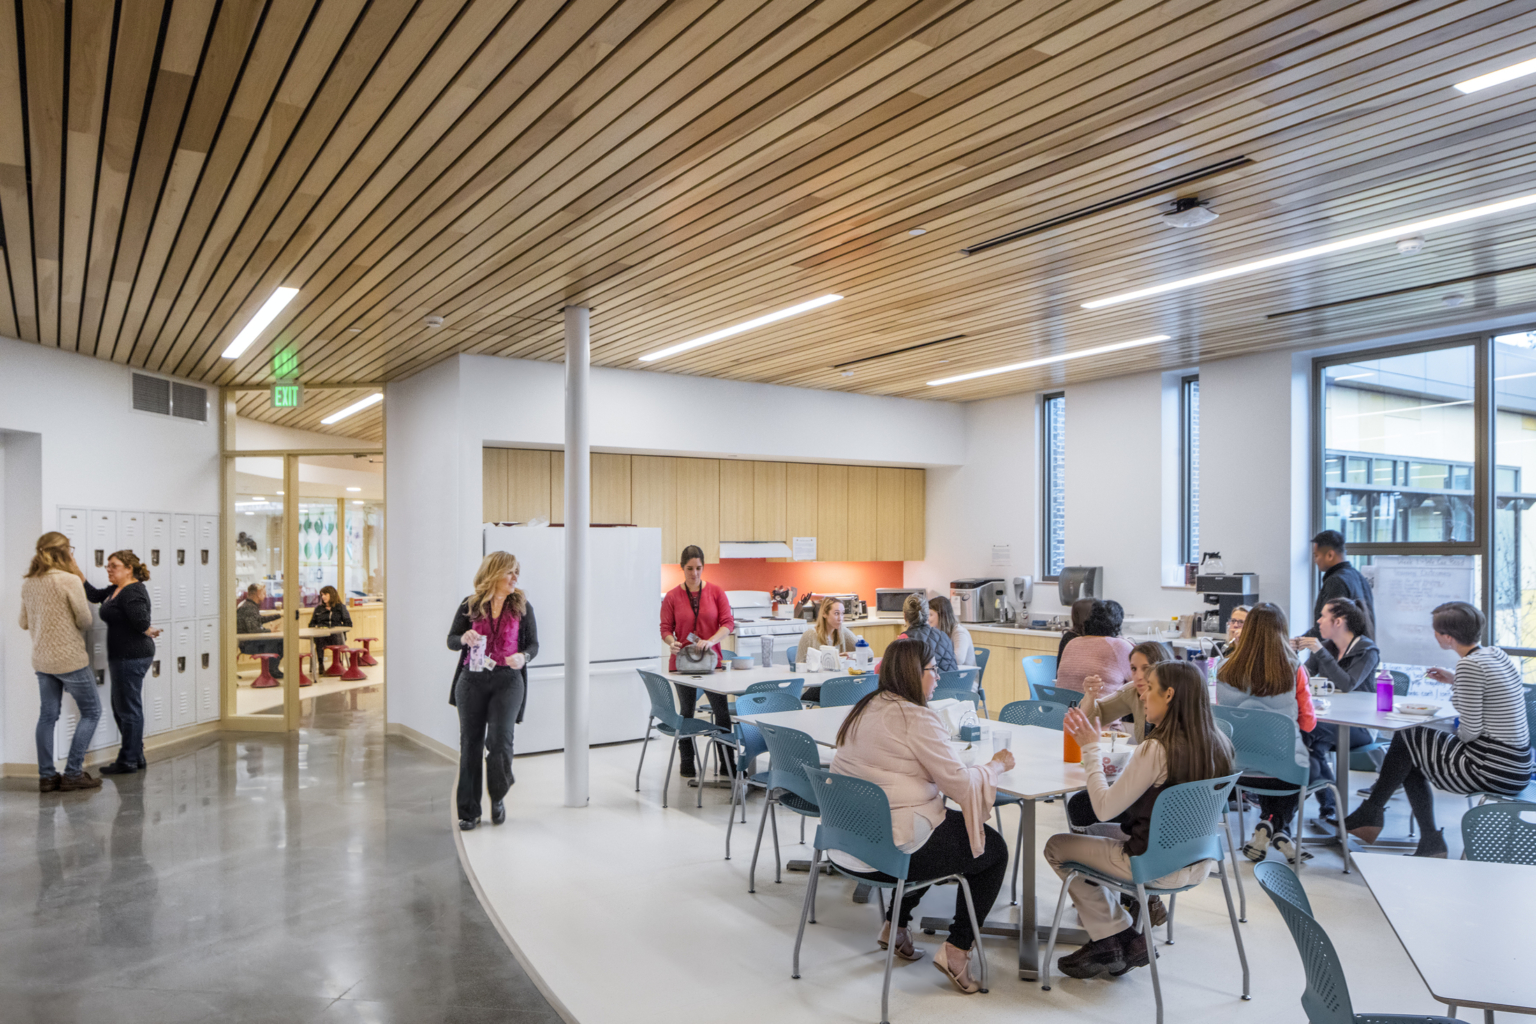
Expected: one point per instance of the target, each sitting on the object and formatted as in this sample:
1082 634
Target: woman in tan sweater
55 611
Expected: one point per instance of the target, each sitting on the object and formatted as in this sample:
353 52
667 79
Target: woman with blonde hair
826 631
55 611
495 631
126 610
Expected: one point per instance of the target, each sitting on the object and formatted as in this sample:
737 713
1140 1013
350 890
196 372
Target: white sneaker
1257 848
1282 842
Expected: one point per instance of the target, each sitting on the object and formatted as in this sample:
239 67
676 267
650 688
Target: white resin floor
623 911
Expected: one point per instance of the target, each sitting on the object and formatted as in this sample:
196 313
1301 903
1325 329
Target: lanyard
693 601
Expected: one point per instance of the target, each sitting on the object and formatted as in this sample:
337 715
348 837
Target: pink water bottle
1384 691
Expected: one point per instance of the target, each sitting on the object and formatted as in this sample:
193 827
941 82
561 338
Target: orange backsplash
860 578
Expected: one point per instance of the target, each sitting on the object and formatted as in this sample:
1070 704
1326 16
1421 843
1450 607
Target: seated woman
1262 673
1184 745
826 631
1100 651
330 613
1347 657
891 738
1235 620
1079 615
939 647
941 616
1490 751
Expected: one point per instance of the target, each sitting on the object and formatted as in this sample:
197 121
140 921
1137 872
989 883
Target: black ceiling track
1401 291
1108 204
896 352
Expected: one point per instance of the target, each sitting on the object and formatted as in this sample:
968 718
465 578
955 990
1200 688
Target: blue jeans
128 707
81 685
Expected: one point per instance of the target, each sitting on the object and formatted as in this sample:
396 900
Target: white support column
578 518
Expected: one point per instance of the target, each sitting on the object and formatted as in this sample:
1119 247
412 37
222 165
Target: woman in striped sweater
1490 751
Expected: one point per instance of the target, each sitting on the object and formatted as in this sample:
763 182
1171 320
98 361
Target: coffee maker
1225 591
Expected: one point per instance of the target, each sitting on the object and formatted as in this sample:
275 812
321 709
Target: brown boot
48 783
82 781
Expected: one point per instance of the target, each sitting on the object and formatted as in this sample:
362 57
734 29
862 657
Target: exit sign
287 395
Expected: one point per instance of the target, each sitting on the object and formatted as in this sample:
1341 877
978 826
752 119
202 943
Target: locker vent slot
189 403
151 394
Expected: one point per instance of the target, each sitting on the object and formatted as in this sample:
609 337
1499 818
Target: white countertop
1049 634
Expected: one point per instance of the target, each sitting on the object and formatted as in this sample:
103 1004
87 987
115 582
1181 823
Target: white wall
254 435
93 449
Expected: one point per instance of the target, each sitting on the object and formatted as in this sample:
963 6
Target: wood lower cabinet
1004 677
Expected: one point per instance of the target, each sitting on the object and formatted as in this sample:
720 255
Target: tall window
1053 456
1189 469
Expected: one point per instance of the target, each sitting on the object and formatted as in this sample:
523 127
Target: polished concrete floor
253 878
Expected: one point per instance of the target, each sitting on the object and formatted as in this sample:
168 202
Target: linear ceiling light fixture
750 325
1356 242
1498 77
1062 358
258 323
355 407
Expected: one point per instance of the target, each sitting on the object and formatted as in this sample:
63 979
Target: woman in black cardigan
495 631
130 651
330 613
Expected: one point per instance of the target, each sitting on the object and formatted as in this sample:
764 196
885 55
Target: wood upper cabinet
914 521
698 505
832 513
735 500
611 488
802 503
890 504
653 499
515 485
863 500
768 500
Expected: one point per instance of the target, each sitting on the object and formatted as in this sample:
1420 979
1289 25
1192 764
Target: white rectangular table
1466 925
734 682
1038 772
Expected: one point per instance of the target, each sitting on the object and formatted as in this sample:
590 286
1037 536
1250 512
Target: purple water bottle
1384 691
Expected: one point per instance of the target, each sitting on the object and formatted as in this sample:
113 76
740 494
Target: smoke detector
1189 212
1410 246
433 321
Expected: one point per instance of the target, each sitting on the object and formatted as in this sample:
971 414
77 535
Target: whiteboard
1407 589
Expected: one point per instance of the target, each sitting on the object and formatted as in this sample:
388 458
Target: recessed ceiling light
357 503
257 497
1062 358
279 494
354 330
1498 77
258 323
917 231
337 417
762 321
1355 242
354 489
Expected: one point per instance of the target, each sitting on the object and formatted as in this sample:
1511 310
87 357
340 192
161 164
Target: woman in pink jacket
696 613
892 739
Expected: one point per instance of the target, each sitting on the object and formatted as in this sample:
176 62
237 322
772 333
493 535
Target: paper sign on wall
804 549
1002 554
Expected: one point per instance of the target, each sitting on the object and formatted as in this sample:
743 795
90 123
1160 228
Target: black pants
275 668
948 852
1279 811
719 705
488 703
1320 743
128 707
1080 812
321 643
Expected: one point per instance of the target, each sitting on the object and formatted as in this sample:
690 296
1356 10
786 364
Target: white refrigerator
625 614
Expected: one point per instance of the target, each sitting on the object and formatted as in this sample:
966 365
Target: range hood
754 549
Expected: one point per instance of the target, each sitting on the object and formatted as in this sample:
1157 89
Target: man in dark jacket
249 619
1340 579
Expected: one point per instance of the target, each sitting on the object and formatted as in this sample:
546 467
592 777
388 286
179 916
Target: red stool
354 668
264 679
304 680
367 658
335 666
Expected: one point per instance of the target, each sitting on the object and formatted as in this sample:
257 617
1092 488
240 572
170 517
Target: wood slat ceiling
682 166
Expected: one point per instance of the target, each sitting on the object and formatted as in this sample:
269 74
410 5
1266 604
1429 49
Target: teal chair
1039 670
968 678
1058 695
794 686
1183 832
1326 997
1265 744
789 751
856 820
845 690
750 745
665 719
1500 833
983 655
950 693
1024 712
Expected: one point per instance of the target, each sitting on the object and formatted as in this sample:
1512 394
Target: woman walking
54 610
497 636
125 608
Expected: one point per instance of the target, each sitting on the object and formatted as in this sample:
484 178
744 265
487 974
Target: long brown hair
335 597
1192 745
52 553
824 609
1262 662
946 614
130 561
1155 651
496 565
901 673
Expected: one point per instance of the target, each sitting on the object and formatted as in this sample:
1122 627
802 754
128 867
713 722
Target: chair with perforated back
846 690
1182 832
967 678
750 745
789 750
856 820
949 693
983 655
1039 670
1058 695
1326 997
794 686
1265 743
1226 823
665 719
1501 833
1528 795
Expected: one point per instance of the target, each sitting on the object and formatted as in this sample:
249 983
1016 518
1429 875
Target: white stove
753 610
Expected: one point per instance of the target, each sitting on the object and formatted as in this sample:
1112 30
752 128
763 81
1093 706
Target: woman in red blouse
695 613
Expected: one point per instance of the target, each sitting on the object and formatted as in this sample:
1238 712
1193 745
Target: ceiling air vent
189 403
151 394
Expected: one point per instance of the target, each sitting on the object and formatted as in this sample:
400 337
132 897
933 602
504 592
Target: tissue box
970 733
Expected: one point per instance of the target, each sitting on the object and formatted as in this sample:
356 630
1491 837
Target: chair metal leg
1232 852
815 885
1487 1017
1172 902
666 780
805 909
1050 945
737 782
1018 856
1343 847
880 896
703 770
1237 933
802 830
752 871
778 865
649 721
1146 932
970 906
890 956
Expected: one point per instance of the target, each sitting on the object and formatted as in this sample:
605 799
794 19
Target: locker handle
181 664
154 556
100 560
205 659
205 556
181 556
154 669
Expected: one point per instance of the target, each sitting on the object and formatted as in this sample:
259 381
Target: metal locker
208 670
157 685
64 730
106 727
206 569
130 534
183 674
183 555
72 524
159 587
101 541
157 541
96 646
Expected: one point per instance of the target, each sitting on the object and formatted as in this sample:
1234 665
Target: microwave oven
888 602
